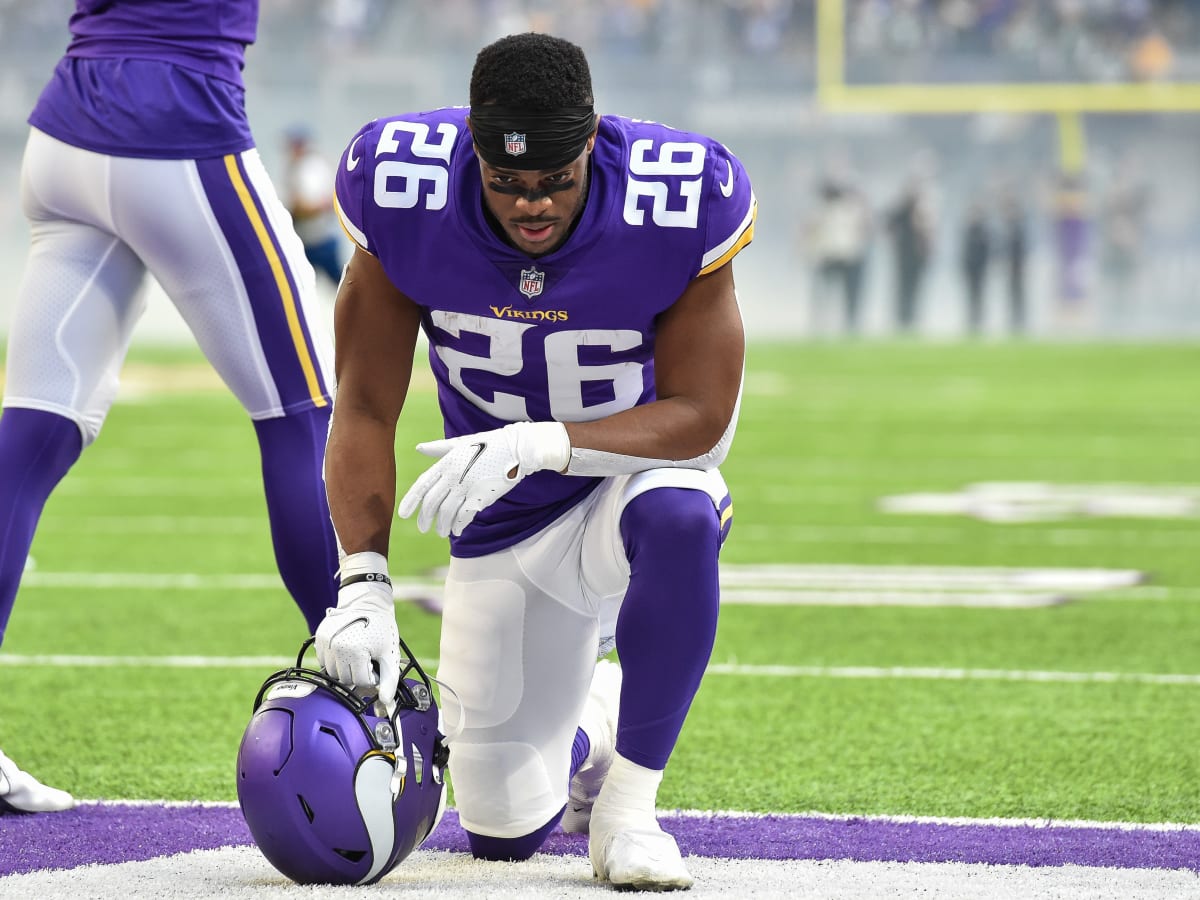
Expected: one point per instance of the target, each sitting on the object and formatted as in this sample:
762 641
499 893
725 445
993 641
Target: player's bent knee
677 515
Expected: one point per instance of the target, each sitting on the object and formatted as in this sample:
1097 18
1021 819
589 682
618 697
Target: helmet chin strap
461 721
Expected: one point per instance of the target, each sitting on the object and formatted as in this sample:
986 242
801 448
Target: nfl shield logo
531 282
514 143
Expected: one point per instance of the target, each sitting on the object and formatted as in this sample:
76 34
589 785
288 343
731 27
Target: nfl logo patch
514 144
532 282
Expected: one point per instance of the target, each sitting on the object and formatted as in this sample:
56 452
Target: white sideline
241 873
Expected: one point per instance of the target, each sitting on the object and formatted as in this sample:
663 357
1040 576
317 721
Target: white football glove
357 642
476 470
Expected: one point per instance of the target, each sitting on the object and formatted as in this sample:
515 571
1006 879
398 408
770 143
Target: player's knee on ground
498 805
514 849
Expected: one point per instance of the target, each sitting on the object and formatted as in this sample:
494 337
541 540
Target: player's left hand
475 470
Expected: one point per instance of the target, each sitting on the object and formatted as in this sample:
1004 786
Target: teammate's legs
36 450
219 241
305 550
76 307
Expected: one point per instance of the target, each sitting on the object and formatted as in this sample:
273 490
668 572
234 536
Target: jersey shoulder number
396 164
681 180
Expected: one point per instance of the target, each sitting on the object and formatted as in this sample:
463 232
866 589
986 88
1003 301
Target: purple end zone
113 833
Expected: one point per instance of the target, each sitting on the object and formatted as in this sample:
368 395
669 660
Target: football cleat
627 846
21 792
633 853
600 723
332 791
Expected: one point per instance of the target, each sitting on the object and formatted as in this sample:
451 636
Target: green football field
151 614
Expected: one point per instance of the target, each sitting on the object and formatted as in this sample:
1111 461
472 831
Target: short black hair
531 71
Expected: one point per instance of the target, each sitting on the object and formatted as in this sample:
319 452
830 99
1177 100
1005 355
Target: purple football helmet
332 792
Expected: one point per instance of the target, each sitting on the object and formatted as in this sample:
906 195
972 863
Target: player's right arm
375 329
375 337
375 334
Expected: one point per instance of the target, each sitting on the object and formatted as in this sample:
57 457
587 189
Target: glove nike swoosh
361 620
479 448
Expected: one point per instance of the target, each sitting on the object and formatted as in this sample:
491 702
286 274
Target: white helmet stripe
372 790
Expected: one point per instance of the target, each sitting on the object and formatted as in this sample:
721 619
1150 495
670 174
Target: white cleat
600 723
627 846
21 792
636 857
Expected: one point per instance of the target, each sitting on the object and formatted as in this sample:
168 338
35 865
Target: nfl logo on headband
514 144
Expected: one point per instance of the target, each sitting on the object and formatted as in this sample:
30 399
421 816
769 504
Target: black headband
510 138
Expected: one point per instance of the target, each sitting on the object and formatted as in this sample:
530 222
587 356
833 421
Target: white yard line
915 597
65 661
150 581
933 673
770 585
155 525
923 673
1035 535
898 576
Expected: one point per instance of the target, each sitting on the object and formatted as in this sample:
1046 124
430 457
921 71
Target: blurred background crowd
872 224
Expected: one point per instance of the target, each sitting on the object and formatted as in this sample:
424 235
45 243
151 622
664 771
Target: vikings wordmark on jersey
568 336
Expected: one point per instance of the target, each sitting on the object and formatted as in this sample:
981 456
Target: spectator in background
308 192
1014 241
839 238
911 226
1123 215
976 251
1072 231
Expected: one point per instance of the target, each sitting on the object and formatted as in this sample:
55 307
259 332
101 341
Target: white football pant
520 632
216 237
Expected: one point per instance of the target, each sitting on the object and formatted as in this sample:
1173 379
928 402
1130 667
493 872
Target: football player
573 275
140 159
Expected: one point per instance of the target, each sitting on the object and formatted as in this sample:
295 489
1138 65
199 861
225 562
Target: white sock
632 787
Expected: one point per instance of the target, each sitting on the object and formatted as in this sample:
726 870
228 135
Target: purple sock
293 455
36 450
668 620
580 748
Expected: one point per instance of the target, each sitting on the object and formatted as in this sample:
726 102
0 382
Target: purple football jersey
568 336
159 79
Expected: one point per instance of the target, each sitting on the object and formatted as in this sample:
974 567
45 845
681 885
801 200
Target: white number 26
679 159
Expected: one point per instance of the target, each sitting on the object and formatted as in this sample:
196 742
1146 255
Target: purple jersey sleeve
732 209
349 187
